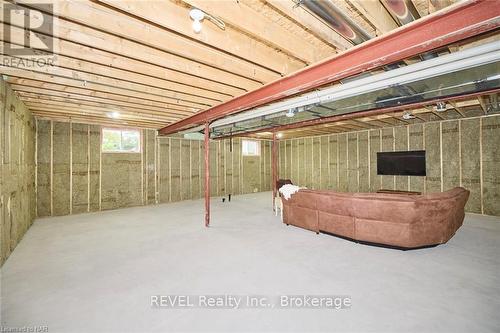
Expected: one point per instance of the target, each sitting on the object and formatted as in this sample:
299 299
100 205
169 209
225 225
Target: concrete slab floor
97 272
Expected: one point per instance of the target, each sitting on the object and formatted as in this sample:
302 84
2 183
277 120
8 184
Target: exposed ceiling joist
311 23
457 23
125 27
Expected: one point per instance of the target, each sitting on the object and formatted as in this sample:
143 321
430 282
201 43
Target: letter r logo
27 30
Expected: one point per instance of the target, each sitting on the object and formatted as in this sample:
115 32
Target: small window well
250 148
121 140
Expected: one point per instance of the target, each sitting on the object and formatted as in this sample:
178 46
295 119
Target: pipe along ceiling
471 70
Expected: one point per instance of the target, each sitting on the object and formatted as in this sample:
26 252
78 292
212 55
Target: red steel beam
455 23
207 174
361 114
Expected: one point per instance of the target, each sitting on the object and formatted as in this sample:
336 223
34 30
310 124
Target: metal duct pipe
403 10
329 13
461 60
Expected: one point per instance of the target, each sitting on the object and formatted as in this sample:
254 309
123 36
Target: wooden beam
130 62
377 14
93 101
435 5
158 46
48 87
260 27
460 22
91 121
483 103
85 105
211 53
90 77
34 91
309 22
88 111
458 109
168 15
43 77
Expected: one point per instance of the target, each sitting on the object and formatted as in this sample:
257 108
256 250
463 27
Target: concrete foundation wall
17 170
75 177
462 152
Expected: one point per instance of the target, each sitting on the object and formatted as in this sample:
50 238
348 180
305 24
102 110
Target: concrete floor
96 273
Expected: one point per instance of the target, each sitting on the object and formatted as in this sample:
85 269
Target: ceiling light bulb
407 115
441 106
197 26
114 115
196 14
279 135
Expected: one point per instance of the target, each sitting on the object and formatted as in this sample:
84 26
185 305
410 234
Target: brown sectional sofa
403 221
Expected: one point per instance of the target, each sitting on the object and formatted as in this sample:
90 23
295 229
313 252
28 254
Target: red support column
207 174
274 167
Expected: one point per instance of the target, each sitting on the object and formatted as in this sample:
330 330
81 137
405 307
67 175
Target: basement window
121 140
250 147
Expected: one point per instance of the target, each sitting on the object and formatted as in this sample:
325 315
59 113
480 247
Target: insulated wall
74 176
181 173
463 152
17 170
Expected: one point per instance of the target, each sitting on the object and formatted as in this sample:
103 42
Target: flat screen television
401 163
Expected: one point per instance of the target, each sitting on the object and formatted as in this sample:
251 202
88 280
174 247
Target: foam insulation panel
61 169
44 166
80 172
185 169
450 155
171 169
149 152
461 152
416 142
471 162
95 168
490 129
363 167
401 144
388 182
342 162
433 156
333 163
375 146
17 170
352 162
324 171
316 163
164 169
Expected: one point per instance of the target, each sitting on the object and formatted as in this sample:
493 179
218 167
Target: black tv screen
401 163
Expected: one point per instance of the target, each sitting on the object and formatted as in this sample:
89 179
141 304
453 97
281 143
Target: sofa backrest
385 206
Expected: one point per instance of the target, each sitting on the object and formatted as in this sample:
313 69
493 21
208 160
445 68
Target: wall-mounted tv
401 163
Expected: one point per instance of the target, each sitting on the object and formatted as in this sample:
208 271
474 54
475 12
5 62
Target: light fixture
440 106
279 135
290 113
197 16
407 115
114 115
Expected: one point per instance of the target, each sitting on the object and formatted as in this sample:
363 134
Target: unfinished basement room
250 166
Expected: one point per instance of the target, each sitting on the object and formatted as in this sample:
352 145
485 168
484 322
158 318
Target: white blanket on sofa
288 189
